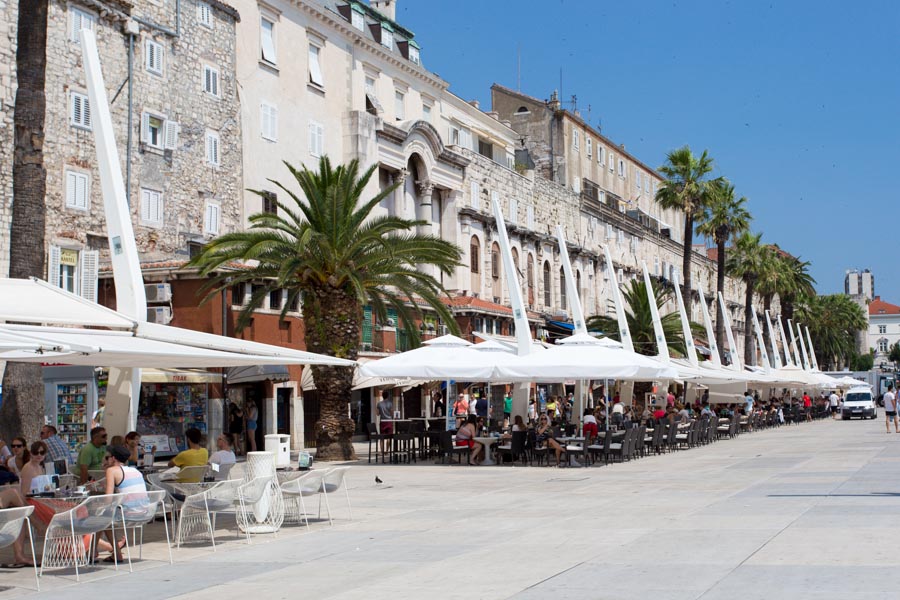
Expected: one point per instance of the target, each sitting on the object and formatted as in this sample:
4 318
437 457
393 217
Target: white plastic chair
11 522
139 509
171 504
334 480
223 471
201 508
295 489
62 544
259 511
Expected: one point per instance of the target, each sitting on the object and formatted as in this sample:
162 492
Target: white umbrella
584 357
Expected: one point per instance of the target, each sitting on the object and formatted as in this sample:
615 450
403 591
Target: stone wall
8 27
183 176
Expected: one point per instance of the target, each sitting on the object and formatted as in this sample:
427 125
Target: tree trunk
333 318
23 399
749 354
686 260
720 288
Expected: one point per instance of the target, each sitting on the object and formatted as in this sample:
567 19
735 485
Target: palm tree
23 398
326 250
723 218
686 188
640 320
833 322
797 282
769 281
745 262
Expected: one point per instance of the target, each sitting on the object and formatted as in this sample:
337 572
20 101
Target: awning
256 373
35 301
562 325
179 376
361 382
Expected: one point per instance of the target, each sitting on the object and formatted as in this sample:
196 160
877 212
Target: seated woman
589 425
224 455
465 436
544 436
13 497
518 425
20 455
122 479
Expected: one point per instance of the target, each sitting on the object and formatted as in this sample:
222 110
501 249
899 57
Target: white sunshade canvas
38 302
584 357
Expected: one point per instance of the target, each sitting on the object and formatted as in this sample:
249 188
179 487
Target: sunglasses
16 446
41 452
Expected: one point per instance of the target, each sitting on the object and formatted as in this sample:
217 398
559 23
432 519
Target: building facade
860 283
884 328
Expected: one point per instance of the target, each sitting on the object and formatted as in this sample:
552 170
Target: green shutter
367 326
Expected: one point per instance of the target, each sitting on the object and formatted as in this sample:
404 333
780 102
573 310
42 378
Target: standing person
890 410
97 418
833 402
385 409
551 408
507 409
252 418
437 406
807 406
57 448
460 410
236 425
481 406
92 454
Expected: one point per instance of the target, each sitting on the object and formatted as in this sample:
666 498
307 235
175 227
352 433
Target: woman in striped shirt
122 479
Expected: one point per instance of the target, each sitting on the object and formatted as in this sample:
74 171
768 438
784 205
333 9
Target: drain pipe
128 141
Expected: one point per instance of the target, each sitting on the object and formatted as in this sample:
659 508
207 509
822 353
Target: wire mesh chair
198 510
192 474
11 522
334 480
64 541
171 504
293 491
259 510
139 509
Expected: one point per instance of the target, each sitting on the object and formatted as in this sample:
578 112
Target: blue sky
797 101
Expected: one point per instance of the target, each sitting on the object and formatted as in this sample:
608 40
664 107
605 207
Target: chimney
386 7
475 103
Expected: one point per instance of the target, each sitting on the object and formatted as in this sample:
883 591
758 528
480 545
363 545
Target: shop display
170 409
72 414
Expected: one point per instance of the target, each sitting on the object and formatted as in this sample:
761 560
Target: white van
858 402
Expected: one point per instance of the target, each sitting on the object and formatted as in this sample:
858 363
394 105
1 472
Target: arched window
548 286
475 255
562 289
495 261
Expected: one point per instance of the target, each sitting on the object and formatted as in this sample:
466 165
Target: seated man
194 456
92 454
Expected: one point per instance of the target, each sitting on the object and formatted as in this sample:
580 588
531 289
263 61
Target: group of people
243 423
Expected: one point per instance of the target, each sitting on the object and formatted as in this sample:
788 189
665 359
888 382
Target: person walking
833 403
890 410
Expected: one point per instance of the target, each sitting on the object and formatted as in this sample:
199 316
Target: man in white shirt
890 410
833 401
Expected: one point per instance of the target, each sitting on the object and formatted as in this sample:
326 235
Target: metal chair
448 449
11 522
63 542
257 511
139 509
515 449
200 509
334 480
294 489
192 474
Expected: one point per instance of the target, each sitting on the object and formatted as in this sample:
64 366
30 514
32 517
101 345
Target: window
77 190
204 14
370 85
268 118
882 329
210 80
529 216
474 255
79 111
601 155
357 19
74 271
151 207
609 231
212 148
882 345
590 147
485 148
562 289
159 133
211 219
548 286
316 142
576 142
270 205
513 211
495 262
315 69
399 105
620 236
154 57
426 112
612 162
275 297
621 168
637 181
414 55
465 138
267 40
79 20
387 37
576 185
473 194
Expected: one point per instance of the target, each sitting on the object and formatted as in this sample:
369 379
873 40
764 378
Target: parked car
858 402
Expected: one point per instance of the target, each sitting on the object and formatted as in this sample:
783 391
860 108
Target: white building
884 328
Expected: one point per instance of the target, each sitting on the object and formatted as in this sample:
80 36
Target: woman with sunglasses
34 467
20 456
544 435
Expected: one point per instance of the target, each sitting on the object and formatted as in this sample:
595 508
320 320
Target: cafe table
487 442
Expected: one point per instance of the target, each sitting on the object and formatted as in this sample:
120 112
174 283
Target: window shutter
320 139
90 260
145 205
315 70
267 40
145 128
312 139
514 212
71 192
170 139
76 109
529 215
53 266
81 191
473 194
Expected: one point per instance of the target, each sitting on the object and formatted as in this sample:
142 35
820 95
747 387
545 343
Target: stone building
8 28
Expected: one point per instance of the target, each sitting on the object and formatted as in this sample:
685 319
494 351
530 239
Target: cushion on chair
615 446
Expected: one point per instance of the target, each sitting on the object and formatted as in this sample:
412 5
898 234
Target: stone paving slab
796 512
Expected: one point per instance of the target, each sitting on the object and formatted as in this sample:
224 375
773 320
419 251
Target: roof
480 304
880 307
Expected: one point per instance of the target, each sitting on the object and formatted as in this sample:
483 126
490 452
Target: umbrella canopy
585 357
446 357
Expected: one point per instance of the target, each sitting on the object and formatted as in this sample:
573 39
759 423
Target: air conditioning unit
158 292
159 314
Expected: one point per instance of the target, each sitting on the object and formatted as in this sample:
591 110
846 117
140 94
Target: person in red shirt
807 406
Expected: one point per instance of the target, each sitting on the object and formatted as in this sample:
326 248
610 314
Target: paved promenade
798 512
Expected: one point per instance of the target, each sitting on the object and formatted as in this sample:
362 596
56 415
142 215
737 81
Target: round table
487 442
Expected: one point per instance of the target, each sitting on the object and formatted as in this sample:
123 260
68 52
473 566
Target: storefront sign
68 257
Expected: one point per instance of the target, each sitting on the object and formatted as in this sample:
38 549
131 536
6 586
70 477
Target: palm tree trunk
686 259
720 288
23 399
749 354
333 320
